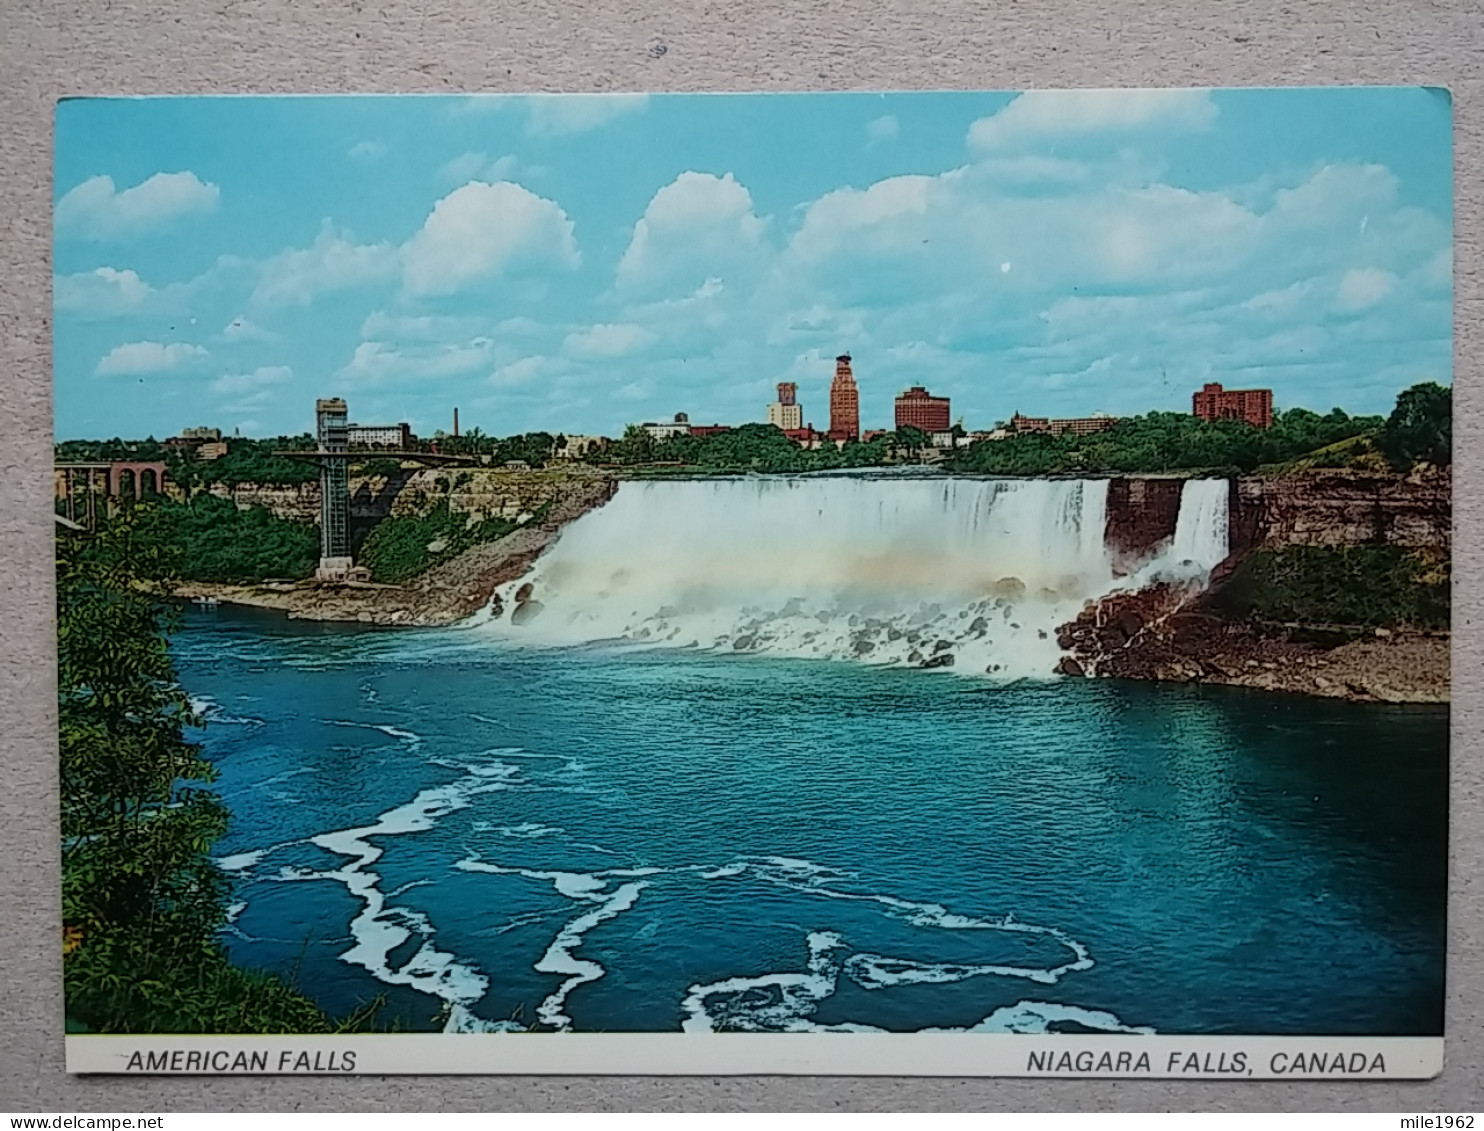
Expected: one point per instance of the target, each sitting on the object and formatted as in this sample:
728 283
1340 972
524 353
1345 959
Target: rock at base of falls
526 611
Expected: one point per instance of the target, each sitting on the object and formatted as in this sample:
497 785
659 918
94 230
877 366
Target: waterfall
1201 534
974 574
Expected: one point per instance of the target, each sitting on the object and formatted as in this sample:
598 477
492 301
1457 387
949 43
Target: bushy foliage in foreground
401 548
1353 586
142 900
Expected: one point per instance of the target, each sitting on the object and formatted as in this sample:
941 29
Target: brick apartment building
1077 426
917 408
1255 406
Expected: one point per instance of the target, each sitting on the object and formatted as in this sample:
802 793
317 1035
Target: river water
499 833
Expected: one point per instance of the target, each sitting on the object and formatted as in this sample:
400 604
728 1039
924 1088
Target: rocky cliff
1166 633
480 492
1179 633
1142 512
1321 507
452 590
1344 507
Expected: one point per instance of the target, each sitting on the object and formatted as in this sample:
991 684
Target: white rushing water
1201 532
974 574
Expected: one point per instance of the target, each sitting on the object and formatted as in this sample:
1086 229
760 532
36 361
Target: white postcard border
1064 1056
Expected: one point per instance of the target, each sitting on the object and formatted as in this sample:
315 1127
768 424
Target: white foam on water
560 957
971 574
1039 1016
773 1001
875 971
461 1020
379 928
780 1002
242 861
412 740
210 711
528 830
279 779
408 886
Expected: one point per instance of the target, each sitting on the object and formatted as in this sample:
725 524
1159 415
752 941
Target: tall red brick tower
845 402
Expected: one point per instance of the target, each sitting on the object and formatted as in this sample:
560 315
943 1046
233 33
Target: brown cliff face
1343 507
1142 513
478 492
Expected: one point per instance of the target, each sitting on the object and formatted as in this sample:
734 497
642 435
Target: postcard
912 583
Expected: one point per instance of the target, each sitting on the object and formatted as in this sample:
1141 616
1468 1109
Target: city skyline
220 260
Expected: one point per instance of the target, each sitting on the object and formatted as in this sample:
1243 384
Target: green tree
635 446
911 440
1420 427
212 539
142 900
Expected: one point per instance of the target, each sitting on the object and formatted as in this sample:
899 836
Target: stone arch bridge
80 486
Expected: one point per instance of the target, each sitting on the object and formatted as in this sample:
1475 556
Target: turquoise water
601 838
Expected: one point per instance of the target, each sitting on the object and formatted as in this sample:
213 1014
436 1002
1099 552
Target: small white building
948 440
392 437
789 417
680 426
576 447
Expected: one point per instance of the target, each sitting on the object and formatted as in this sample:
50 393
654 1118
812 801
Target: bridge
110 480
360 455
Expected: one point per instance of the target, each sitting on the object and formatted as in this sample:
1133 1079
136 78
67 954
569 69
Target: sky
576 263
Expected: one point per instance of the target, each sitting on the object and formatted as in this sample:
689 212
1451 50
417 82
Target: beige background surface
79 47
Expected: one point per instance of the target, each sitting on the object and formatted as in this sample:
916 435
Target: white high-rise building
786 412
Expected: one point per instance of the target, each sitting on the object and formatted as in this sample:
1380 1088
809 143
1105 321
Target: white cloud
521 372
608 340
1045 115
264 377
698 227
333 262
100 293
380 325
96 210
367 150
889 210
578 113
882 129
137 358
483 230
241 329
376 361
1363 287
1437 272
478 167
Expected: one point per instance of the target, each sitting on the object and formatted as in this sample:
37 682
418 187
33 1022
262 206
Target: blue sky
574 263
